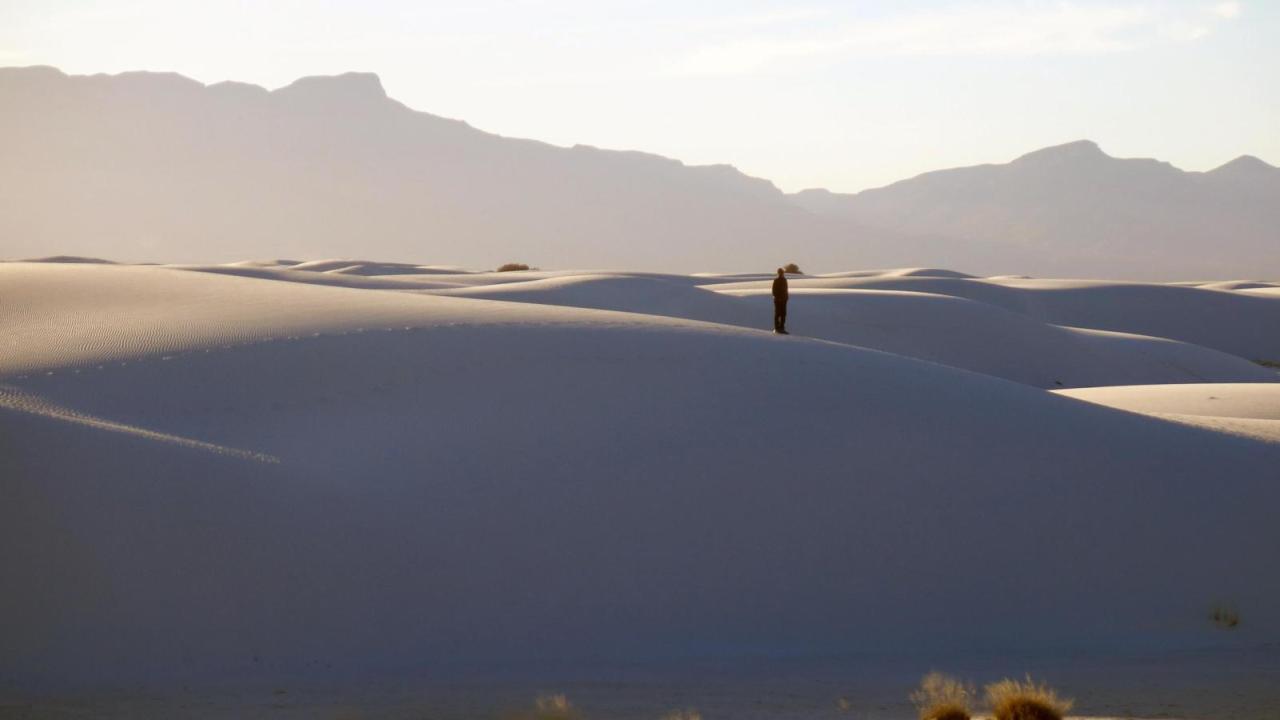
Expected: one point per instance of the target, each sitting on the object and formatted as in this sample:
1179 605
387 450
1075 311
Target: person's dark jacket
780 289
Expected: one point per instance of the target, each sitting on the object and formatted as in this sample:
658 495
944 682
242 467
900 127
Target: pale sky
843 95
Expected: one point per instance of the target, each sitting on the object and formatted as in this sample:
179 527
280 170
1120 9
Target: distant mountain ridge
156 166
1076 205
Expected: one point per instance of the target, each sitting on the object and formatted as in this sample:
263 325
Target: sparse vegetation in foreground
1025 700
1273 364
549 707
558 707
509 267
941 697
1225 616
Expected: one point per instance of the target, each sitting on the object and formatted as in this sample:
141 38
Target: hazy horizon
812 95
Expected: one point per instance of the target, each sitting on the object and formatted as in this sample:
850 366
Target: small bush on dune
1025 700
1225 616
548 707
791 269
942 698
683 715
508 267
555 707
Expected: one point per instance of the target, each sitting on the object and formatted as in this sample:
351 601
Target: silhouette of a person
780 303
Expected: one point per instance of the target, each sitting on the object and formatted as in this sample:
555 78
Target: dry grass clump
1225 617
508 267
549 707
1025 700
941 697
683 715
555 707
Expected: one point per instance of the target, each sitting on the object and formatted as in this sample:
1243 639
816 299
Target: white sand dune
459 478
899 272
669 296
1263 291
58 316
420 277
1245 409
1236 285
276 263
1237 322
946 329
333 278
988 339
367 267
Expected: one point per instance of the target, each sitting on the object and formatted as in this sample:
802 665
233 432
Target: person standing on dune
780 303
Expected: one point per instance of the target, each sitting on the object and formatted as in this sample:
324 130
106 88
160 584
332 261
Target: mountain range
158 167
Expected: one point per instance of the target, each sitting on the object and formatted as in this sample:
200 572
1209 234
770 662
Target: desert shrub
1225 616
1025 700
508 267
683 715
548 707
1273 364
791 269
554 707
941 697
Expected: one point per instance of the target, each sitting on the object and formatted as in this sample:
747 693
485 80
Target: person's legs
780 315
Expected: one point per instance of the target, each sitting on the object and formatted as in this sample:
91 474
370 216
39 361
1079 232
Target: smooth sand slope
211 476
1251 410
63 315
1237 322
947 329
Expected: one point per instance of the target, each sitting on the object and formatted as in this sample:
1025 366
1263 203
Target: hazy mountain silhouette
148 166
1087 213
